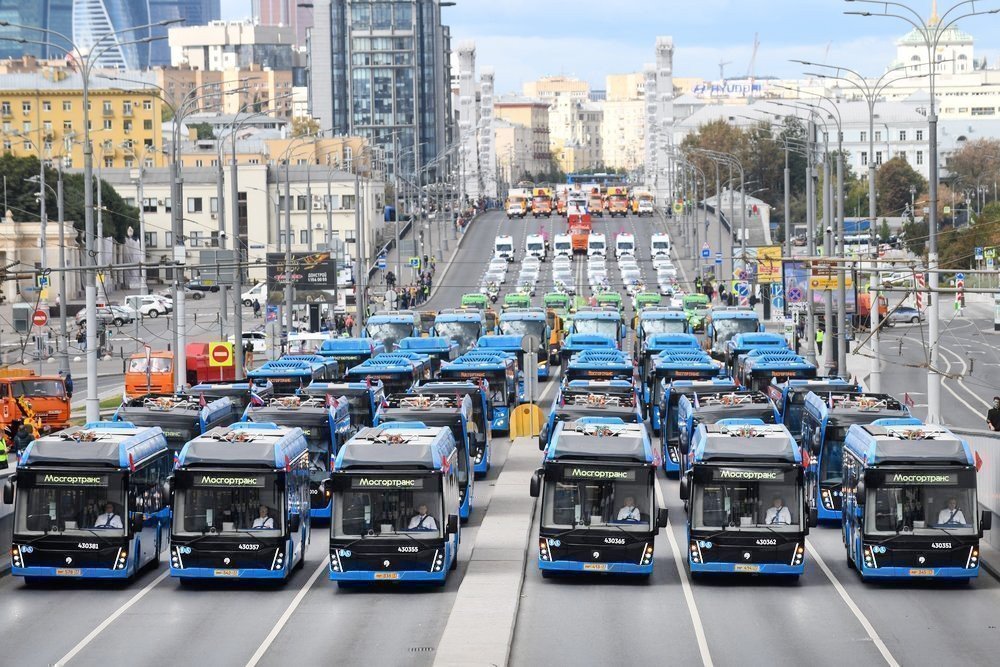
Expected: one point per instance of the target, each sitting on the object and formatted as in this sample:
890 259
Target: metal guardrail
987 445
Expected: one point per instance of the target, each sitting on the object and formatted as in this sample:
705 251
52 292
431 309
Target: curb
451 260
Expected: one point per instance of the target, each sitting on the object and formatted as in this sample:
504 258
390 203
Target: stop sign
39 318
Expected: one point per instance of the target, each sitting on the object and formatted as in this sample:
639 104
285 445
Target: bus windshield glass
725 329
579 502
923 502
793 411
735 500
70 502
360 408
653 327
389 333
374 506
153 365
222 501
832 457
465 334
37 388
524 328
607 328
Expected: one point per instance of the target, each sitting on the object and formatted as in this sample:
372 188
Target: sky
589 39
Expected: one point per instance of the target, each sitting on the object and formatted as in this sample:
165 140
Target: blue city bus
180 418
591 469
451 410
714 406
326 424
498 372
522 322
390 327
237 392
599 365
510 345
724 323
672 365
381 480
652 347
481 431
578 399
363 399
669 431
240 497
396 374
574 343
826 419
436 348
743 343
758 368
790 397
464 326
422 362
746 493
62 490
349 352
605 322
289 374
910 507
653 321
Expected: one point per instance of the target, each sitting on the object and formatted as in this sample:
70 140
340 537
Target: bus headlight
15 556
973 558
695 552
647 554
176 559
121 560
799 554
543 549
870 557
279 559
438 561
672 453
335 562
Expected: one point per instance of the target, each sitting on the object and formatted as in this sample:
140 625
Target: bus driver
778 513
109 519
263 522
422 520
951 515
629 512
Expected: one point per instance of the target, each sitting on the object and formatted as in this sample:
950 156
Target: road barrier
526 421
986 444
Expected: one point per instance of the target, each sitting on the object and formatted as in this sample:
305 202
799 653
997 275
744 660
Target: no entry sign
220 354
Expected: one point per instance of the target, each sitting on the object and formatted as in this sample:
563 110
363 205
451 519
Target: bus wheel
454 563
32 582
548 574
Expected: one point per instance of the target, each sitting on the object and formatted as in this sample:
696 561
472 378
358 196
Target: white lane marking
292 606
111 619
961 381
953 393
699 628
865 623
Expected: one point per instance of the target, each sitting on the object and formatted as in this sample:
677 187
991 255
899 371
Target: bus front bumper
920 573
749 568
227 573
607 568
401 575
72 572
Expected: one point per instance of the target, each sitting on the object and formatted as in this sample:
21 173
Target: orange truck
579 231
541 202
617 201
595 203
153 373
25 396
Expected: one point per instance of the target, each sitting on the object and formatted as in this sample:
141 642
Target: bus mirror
452 524
294 523
662 515
813 517
168 490
683 444
543 438
684 488
8 491
859 493
985 519
138 521
536 483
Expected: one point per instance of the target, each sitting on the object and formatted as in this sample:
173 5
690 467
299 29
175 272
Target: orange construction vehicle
579 231
40 398
595 203
541 202
617 201
152 373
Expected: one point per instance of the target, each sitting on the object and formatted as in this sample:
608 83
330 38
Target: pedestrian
248 355
723 294
23 438
698 283
256 308
4 448
390 279
349 323
81 337
993 416
820 335
69 385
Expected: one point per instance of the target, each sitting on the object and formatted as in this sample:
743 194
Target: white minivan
659 245
624 245
151 305
258 291
534 246
504 247
563 246
596 245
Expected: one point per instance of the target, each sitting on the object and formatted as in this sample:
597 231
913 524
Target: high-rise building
382 71
624 126
56 15
293 14
223 45
194 12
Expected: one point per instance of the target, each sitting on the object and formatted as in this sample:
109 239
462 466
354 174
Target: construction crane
722 69
750 69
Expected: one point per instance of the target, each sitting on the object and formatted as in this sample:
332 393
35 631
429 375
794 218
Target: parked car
116 315
202 285
152 305
905 314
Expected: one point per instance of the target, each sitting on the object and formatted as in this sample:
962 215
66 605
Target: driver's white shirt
428 522
263 522
629 514
946 516
108 520
778 515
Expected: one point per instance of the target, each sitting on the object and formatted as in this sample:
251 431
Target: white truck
504 247
659 245
563 246
534 246
597 245
624 245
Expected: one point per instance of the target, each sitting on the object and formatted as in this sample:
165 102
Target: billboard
797 277
762 264
308 270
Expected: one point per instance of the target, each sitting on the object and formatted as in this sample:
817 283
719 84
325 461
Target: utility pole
220 212
63 328
289 288
234 207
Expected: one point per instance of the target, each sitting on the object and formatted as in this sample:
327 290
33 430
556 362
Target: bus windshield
652 327
389 333
725 329
154 365
360 408
70 502
591 504
607 328
38 388
397 506
832 456
525 328
935 500
792 416
464 333
222 501
747 505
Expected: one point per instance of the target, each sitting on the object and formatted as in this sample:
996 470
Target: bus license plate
921 573
596 567
387 575
747 568
68 572
227 573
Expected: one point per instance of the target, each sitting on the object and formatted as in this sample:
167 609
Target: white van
151 305
597 246
624 245
563 246
534 246
504 247
660 245
259 340
258 291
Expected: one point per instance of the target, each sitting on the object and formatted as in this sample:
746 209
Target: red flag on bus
979 462
907 401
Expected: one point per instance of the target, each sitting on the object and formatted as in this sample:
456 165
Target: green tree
883 231
304 125
957 246
203 130
893 181
975 163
